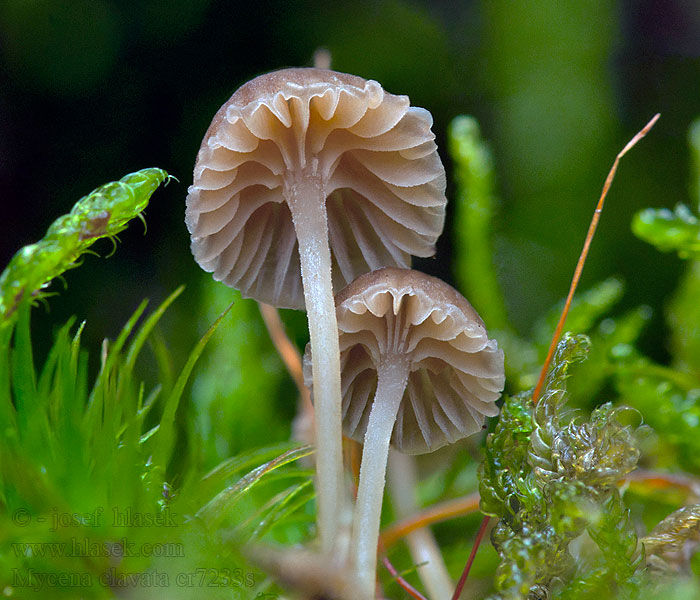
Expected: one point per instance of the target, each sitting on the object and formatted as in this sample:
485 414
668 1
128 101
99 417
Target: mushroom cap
456 371
373 154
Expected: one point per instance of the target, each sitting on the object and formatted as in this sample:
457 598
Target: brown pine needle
433 514
287 350
353 458
647 480
584 255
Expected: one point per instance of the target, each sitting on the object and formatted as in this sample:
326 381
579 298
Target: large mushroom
419 371
305 179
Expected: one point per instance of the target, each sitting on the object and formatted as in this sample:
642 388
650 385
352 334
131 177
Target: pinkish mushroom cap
373 155
456 372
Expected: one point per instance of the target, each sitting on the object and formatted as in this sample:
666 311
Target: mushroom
419 370
302 170
402 479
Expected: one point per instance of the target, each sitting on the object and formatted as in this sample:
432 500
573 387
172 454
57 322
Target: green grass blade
24 384
104 380
225 499
166 432
203 489
293 499
7 409
61 347
164 360
147 327
246 460
78 367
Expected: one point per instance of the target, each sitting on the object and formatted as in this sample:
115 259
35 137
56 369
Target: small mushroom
302 170
419 370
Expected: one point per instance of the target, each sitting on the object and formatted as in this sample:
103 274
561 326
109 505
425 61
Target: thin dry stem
288 353
322 58
413 592
437 513
463 579
584 254
425 552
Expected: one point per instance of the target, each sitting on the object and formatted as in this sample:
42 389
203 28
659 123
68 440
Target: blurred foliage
678 230
94 490
242 391
683 315
474 208
551 93
474 212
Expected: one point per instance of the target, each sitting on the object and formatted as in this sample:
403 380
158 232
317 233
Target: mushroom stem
391 384
307 201
403 481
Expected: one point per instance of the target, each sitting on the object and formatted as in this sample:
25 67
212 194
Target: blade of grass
110 357
164 360
284 505
61 347
7 409
228 496
147 327
166 435
57 393
23 374
303 519
78 367
239 463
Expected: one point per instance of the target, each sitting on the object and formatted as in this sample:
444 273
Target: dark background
93 89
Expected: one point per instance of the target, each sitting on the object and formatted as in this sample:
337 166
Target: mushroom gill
373 154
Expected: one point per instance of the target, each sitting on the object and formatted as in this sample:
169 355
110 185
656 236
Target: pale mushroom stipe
419 370
305 179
